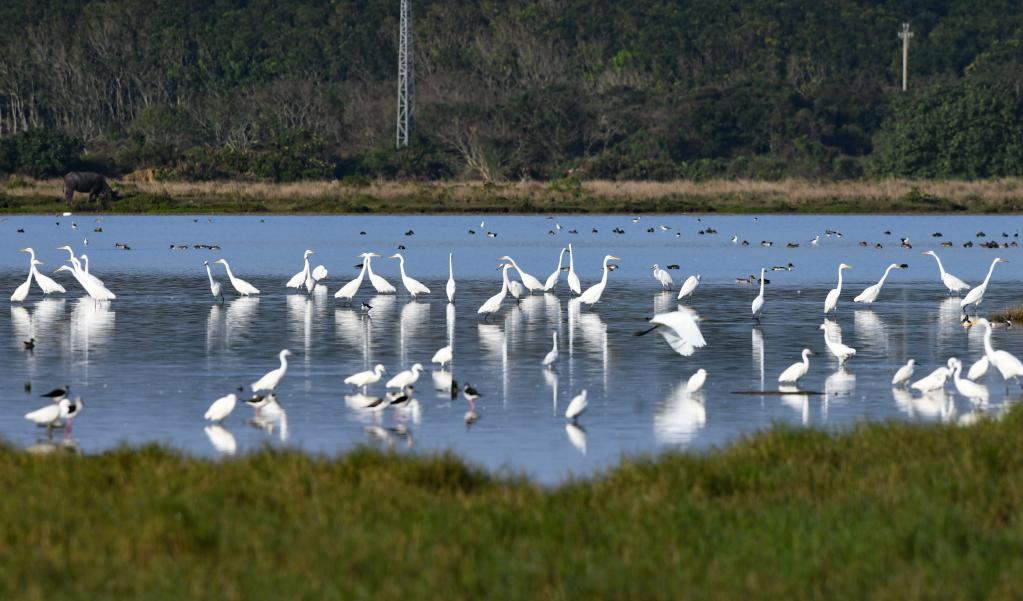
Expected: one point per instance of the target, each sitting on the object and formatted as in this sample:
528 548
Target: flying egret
870 293
215 287
381 285
364 378
831 302
573 278
442 356
839 350
46 284
552 356
493 304
951 282
662 276
1006 363
552 279
594 292
934 380
976 296
689 287
577 406
797 370
758 302
696 381
450 287
244 288
413 285
50 415
221 408
978 369
901 377
405 378
21 292
679 328
298 280
348 291
976 393
531 283
269 382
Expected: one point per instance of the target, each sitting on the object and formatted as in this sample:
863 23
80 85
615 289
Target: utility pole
406 76
905 35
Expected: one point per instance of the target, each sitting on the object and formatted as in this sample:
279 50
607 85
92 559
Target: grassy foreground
564 196
886 511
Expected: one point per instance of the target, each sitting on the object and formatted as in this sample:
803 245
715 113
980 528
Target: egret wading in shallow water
298 280
1006 363
831 301
577 406
221 408
975 296
405 378
841 351
531 283
414 286
662 276
870 293
442 356
50 415
679 328
83 272
516 289
689 287
594 292
493 304
573 279
551 358
976 393
90 284
215 287
269 382
758 302
21 292
902 376
241 286
695 382
954 284
934 380
45 283
349 290
364 378
797 370
552 279
449 289
381 285
978 369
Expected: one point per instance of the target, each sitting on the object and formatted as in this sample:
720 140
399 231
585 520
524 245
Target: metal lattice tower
406 76
905 34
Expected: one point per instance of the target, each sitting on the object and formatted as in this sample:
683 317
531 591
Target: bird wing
680 329
297 280
320 273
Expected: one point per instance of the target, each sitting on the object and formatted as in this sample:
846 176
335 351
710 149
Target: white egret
978 369
92 286
758 302
904 373
552 279
442 356
1006 363
364 378
577 406
80 270
797 370
51 414
516 289
950 281
531 283
696 381
85 269
381 285
976 296
46 284
317 275
348 291
977 393
831 302
493 304
413 285
870 293
934 380
689 287
573 279
450 287
594 292
298 280
221 408
244 288
21 292
269 382
663 277
405 378
215 288
839 350
680 329
551 358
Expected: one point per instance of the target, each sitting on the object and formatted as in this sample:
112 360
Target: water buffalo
86 181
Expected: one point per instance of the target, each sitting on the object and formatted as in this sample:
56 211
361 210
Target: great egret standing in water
442 356
594 292
381 285
298 280
552 356
450 287
758 302
870 293
21 292
905 372
797 370
975 296
215 288
364 378
950 281
577 406
977 393
414 286
405 378
531 283
493 304
934 380
841 351
51 414
831 301
552 279
695 381
573 279
348 291
978 369
662 276
269 382
241 286
1006 363
689 287
46 284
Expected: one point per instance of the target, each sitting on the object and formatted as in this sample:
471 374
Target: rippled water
149 363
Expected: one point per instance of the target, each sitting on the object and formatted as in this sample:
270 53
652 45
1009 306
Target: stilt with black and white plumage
57 394
50 415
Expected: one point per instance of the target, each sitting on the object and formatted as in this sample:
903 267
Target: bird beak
38 262
615 259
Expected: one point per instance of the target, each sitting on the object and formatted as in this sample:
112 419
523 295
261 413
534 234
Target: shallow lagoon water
149 363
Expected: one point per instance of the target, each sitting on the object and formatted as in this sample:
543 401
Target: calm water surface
149 364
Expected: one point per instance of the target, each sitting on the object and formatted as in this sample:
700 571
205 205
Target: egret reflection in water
680 416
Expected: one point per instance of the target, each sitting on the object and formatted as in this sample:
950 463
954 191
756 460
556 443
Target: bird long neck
571 258
31 256
761 282
603 278
806 358
504 286
941 268
209 274
451 271
85 263
306 269
284 361
401 266
227 268
362 271
989 350
561 257
990 270
840 279
885 276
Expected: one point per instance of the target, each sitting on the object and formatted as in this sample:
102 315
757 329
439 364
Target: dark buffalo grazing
86 181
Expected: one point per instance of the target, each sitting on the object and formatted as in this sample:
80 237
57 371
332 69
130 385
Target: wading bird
696 381
594 292
381 285
269 382
50 415
531 283
577 406
298 280
552 279
902 376
841 351
573 279
221 408
870 293
414 286
215 288
449 289
1006 363
976 296
349 290
934 380
758 302
797 370
551 358
405 378
241 286
662 276
45 283
442 356
954 284
493 304
689 287
831 301
364 378
976 393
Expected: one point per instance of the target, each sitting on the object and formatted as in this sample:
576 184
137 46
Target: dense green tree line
508 89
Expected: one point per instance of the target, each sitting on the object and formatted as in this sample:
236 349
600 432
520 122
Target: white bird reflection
794 398
414 320
92 324
271 417
594 334
949 320
533 305
871 329
550 376
758 353
494 342
935 404
49 446
576 436
239 316
838 384
300 320
221 439
214 327
679 417
663 302
40 323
